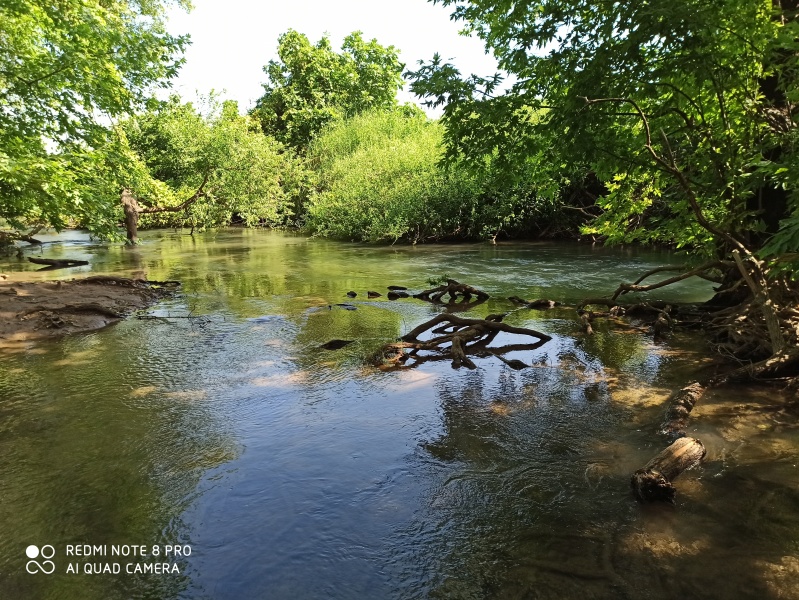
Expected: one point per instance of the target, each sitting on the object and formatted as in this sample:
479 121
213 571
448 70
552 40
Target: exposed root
456 291
700 271
458 339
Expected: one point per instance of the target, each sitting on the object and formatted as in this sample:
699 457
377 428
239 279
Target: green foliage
222 154
311 85
61 65
379 177
712 82
379 180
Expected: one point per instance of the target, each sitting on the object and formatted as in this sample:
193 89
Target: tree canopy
683 110
65 69
201 170
311 84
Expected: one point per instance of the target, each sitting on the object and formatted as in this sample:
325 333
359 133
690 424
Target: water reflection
102 445
296 471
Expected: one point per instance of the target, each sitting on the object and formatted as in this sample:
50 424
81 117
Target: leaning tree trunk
132 209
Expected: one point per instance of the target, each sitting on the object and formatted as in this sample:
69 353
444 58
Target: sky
232 40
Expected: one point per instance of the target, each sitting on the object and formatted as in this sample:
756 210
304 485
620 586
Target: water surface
296 472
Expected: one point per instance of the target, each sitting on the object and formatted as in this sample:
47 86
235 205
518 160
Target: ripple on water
296 471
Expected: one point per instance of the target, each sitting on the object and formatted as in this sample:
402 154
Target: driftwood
124 281
457 339
654 481
454 290
681 404
54 263
541 304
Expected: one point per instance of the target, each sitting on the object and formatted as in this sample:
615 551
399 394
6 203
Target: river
283 470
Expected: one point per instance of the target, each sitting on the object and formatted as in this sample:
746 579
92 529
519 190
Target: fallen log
681 404
654 481
58 263
541 303
124 281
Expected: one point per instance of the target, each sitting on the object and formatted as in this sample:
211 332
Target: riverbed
214 423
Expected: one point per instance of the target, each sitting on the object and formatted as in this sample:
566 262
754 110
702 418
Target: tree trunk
131 208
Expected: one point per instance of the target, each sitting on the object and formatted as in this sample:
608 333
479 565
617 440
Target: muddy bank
31 311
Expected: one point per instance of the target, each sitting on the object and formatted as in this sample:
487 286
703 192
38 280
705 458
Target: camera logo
46 566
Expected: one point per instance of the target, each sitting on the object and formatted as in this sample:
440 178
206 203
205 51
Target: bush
378 178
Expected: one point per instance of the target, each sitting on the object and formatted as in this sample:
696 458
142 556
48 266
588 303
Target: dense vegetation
378 177
656 122
684 112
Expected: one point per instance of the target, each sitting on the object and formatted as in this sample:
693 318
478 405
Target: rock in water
347 306
336 344
351 294
397 288
373 294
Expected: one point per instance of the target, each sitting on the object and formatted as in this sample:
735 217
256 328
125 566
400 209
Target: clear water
296 472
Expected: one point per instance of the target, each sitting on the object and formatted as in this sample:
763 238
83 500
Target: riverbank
31 311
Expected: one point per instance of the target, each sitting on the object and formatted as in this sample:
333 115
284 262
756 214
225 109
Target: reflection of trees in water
530 498
107 447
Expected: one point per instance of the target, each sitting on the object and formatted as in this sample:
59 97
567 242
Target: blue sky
233 39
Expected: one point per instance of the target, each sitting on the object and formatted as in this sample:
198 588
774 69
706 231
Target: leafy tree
713 83
683 110
184 168
378 177
312 84
63 65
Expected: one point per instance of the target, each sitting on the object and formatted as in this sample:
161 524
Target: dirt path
32 311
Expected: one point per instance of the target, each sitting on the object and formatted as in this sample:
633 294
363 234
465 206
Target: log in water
654 481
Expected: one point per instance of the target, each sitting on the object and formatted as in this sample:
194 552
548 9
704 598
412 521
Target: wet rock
336 344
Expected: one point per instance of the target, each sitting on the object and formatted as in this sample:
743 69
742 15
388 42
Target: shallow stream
289 471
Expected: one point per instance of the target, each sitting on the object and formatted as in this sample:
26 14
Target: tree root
456 291
458 339
757 322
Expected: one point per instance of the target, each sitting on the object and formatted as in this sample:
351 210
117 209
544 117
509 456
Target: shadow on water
527 489
298 472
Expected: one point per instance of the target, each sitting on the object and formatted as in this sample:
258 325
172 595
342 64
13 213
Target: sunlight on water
293 471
